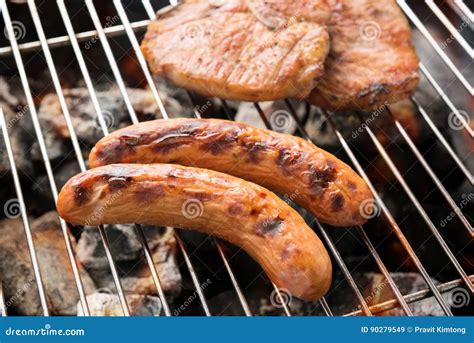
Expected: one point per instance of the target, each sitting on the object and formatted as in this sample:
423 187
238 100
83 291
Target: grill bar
409 12
24 216
77 149
362 233
464 9
396 229
138 229
55 42
454 32
3 306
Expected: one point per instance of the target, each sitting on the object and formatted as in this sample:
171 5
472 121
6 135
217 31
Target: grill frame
129 28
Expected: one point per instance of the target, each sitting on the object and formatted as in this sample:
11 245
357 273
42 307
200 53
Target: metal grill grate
72 38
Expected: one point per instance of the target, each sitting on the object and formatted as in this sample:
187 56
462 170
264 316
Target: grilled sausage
238 211
289 165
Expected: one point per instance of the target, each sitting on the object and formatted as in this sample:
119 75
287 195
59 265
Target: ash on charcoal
16 272
85 120
103 304
128 254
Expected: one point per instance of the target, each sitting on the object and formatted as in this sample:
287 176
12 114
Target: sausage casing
238 211
285 164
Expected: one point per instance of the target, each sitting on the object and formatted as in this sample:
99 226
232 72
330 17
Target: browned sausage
285 164
238 211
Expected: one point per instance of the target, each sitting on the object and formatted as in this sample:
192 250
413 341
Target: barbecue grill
130 29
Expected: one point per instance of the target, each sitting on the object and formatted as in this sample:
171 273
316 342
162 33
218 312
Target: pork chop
372 59
250 50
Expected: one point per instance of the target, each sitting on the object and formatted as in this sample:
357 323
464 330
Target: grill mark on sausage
117 182
286 160
200 195
221 143
81 194
320 179
113 151
145 191
337 201
269 227
236 209
254 151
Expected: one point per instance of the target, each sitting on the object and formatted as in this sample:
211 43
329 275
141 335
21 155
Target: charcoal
18 122
352 128
277 112
85 120
341 299
16 271
128 254
103 304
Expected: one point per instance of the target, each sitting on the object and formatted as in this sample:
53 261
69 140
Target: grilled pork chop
251 50
372 59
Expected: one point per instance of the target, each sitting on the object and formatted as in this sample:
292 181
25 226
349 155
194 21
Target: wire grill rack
129 29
